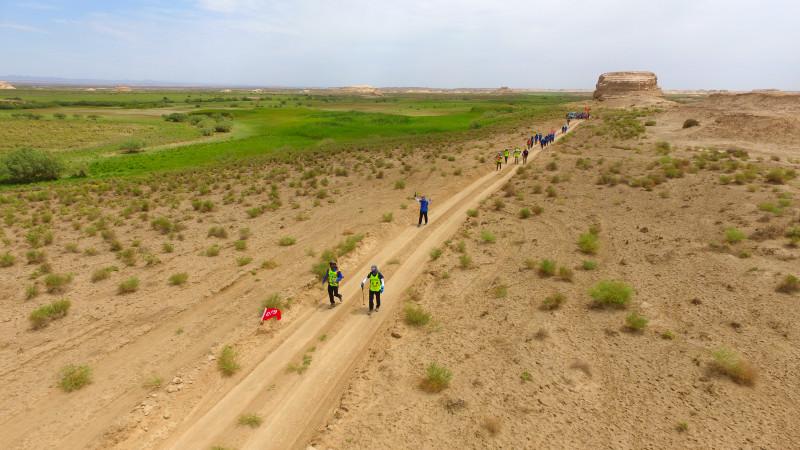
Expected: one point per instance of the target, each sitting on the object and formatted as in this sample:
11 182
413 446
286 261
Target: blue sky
709 44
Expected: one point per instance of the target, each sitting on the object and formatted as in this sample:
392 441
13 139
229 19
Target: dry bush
728 363
437 378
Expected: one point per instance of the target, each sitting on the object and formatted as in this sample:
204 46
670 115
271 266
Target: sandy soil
576 376
174 333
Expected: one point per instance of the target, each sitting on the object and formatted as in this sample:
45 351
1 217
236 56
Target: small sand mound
6 85
773 101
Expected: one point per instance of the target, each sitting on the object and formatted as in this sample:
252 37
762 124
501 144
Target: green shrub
387 217
7 259
589 265
128 286
250 420
178 279
416 316
588 243
435 253
162 225
565 274
243 261
789 285
273 301
217 232
29 166
102 274
465 261
226 362
547 268
212 251
734 235
56 283
287 241
553 302
611 293
488 237
240 245
472 213
399 184
635 322
131 146
728 363
500 291
437 378
74 377
524 213
45 314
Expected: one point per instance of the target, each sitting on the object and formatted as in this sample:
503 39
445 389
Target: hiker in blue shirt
423 208
333 276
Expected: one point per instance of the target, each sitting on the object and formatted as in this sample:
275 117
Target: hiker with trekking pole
333 276
376 286
423 208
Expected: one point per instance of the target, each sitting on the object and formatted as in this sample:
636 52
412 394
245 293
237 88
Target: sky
689 44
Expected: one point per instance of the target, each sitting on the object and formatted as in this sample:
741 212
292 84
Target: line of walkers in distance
536 138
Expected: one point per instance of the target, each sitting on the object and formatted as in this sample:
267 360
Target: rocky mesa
624 84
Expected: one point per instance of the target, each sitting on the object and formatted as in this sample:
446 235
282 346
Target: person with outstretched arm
423 208
333 277
376 286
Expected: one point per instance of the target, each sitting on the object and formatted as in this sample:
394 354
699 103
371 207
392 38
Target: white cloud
21 27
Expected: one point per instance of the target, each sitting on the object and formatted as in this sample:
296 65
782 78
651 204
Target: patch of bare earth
713 363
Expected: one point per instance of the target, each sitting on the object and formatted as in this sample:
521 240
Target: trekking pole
362 295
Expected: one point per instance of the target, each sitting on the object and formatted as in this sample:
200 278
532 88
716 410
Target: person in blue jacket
423 208
333 276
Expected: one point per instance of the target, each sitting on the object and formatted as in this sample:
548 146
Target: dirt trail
292 412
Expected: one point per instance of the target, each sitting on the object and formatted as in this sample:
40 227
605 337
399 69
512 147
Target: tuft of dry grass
437 378
728 363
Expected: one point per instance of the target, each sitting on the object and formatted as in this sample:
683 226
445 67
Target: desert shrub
498 204
240 245
226 362
7 259
728 363
399 184
287 241
102 274
128 286
551 191
500 291
218 232
565 274
162 225
435 253
465 261
244 234
243 261
488 237
131 146
387 217
212 251
416 316
269 264
29 166
552 166
222 127
553 302
273 301
472 213
547 268
74 377
589 265
537 210
57 283
45 314
789 285
588 243
779 176
178 279
250 420
734 235
635 322
611 293
202 206
31 291
127 256
689 123
650 123
437 378
524 213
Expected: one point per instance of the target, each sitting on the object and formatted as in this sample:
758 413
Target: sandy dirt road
291 405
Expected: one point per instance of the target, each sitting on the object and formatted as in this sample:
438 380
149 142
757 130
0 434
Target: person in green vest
505 155
332 277
517 152
376 286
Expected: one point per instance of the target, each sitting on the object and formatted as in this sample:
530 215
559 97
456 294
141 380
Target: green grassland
87 128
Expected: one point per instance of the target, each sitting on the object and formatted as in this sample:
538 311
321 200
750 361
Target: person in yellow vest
505 155
499 161
517 152
376 286
333 277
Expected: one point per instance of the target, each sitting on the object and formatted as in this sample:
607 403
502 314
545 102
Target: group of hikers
375 279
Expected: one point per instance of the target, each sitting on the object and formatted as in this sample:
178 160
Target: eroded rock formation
624 84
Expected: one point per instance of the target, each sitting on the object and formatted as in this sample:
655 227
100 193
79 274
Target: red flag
270 313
